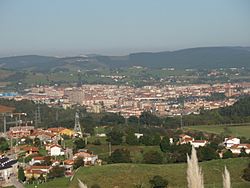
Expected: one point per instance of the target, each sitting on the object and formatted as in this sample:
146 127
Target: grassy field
219 129
136 151
129 175
57 183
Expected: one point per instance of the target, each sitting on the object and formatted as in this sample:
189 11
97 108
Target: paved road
16 183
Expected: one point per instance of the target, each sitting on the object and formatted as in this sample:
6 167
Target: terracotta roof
5 109
200 141
83 154
69 162
40 158
31 148
55 129
55 145
31 171
184 135
240 146
39 167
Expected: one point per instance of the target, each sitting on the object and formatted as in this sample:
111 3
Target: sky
119 27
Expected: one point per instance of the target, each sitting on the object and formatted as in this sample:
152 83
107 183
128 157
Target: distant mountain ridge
191 58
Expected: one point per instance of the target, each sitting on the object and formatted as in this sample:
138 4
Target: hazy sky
72 27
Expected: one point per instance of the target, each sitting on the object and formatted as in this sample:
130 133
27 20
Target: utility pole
37 116
56 115
181 121
110 149
16 122
4 124
77 127
86 141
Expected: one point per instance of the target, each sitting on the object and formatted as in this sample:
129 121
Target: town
170 100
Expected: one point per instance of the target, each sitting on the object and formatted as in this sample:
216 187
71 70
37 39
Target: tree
115 137
3 144
37 142
47 161
246 173
152 157
21 175
56 172
228 154
158 182
179 152
243 153
78 162
156 140
112 119
97 142
79 144
120 156
131 139
147 140
147 118
165 144
133 120
41 179
207 153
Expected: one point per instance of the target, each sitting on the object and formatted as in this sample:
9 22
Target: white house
236 149
199 143
138 135
185 139
8 168
36 160
101 135
229 142
56 150
88 158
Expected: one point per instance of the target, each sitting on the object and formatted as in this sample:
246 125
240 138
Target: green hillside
238 131
192 58
129 175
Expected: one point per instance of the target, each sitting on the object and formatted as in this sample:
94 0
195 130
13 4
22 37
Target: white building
229 142
56 150
88 158
138 135
236 149
199 143
8 168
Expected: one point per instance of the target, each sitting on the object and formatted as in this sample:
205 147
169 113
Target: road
16 183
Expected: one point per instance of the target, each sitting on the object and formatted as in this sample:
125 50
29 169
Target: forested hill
240 108
192 58
237 113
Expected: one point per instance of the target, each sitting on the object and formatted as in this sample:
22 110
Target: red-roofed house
31 150
88 158
185 139
229 142
36 160
236 149
199 143
36 171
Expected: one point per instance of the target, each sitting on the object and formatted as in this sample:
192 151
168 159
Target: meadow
132 175
237 131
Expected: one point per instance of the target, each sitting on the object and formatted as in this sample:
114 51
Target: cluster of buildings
130 101
44 157
232 143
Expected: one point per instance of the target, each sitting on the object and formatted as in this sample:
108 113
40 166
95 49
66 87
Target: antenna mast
77 127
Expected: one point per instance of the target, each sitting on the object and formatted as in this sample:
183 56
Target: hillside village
43 154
